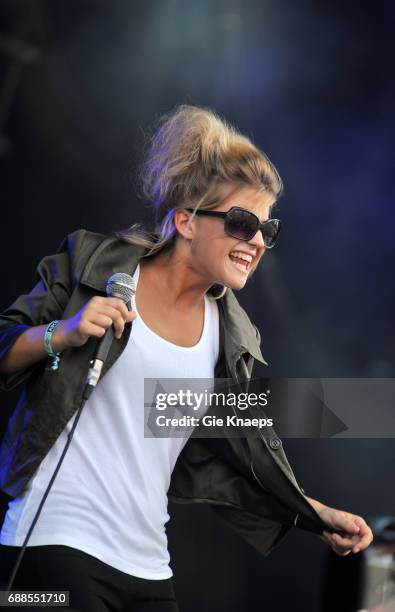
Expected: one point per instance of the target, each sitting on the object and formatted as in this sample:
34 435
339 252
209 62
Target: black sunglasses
243 224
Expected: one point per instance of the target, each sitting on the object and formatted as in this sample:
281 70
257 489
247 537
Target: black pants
93 585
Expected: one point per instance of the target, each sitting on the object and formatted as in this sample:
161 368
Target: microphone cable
44 497
119 285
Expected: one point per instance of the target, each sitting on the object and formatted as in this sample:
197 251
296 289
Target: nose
257 241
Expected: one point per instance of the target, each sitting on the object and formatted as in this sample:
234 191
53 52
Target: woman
101 532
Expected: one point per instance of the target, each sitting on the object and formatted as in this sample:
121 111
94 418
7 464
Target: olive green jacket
247 481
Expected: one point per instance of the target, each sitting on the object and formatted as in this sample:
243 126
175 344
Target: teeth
240 260
242 255
241 266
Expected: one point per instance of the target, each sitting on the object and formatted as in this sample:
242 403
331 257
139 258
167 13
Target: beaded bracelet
48 347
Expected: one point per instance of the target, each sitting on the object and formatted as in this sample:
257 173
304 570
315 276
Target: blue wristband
48 347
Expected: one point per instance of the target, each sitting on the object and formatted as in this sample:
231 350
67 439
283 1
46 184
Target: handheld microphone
122 286
119 285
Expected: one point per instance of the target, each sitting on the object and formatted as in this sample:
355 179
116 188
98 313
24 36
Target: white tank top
109 498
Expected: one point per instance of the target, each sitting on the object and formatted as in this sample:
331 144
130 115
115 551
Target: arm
23 324
353 535
28 348
92 320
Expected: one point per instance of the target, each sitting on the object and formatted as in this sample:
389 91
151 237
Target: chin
235 279
238 286
234 283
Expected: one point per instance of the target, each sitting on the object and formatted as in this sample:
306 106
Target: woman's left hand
353 533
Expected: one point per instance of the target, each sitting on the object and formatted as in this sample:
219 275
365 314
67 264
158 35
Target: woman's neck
173 280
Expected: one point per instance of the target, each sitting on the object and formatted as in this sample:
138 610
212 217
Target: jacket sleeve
45 302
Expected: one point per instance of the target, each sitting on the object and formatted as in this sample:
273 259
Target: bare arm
315 504
352 535
92 320
28 348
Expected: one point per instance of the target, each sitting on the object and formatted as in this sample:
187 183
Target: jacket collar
114 255
240 336
110 256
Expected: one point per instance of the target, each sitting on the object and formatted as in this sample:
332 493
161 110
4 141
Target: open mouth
240 260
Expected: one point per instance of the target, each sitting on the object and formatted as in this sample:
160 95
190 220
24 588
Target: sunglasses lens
270 232
241 224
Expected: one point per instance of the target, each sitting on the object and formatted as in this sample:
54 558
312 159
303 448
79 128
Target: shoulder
72 255
81 241
94 257
81 244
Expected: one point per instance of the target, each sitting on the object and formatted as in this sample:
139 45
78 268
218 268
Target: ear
183 224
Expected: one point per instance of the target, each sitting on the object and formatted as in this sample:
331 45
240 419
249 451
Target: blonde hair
190 157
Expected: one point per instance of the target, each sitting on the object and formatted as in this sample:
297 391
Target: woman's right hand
92 320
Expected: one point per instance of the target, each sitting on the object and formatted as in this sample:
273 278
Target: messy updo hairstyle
189 158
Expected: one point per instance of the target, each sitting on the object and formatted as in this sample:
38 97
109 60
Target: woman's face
221 258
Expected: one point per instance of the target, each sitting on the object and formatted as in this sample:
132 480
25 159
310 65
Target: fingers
104 321
363 526
364 536
118 304
338 544
341 541
104 312
363 543
345 544
111 316
91 329
352 534
346 522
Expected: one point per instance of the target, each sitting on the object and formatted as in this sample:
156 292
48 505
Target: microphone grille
122 286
